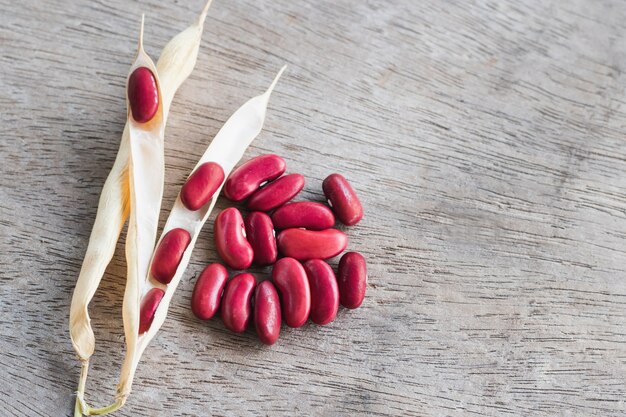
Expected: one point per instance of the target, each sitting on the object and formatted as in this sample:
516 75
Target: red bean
307 214
201 185
290 279
205 300
267 312
236 310
143 95
309 244
260 234
276 193
168 255
324 291
148 307
230 239
342 199
246 179
352 279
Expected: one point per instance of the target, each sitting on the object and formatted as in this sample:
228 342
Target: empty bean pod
267 315
230 239
309 244
260 235
324 291
352 279
306 214
342 199
205 300
276 193
290 278
201 185
148 307
143 95
168 255
236 302
246 179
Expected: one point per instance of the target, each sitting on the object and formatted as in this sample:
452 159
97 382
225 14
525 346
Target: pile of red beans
303 285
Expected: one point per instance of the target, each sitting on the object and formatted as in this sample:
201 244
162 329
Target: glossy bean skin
267 316
342 199
291 281
310 244
352 279
247 178
306 214
148 307
276 193
201 185
260 235
230 239
168 255
236 310
143 95
324 291
207 293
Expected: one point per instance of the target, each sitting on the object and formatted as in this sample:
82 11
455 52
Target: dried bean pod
342 199
230 239
201 185
290 279
205 300
276 193
236 310
352 279
306 214
324 291
143 94
168 255
246 179
309 244
267 315
149 304
260 235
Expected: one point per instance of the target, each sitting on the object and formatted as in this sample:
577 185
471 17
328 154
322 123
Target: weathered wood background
486 140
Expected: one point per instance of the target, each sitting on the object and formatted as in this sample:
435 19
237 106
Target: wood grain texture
485 138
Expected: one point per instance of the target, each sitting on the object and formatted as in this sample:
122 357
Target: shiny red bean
202 185
246 179
276 193
236 310
324 291
306 214
267 316
148 307
168 255
205 300
260 235
143 95
290 279
310 244
342 199
230 239
352 279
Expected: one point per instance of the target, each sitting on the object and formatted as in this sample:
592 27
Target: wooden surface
485 138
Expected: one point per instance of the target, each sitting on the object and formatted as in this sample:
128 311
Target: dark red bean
267 316
202 185
205 300
342 199
290 279
324 291
143 95
260 235
352 279
236 310
230 239
148 307
246 179
306 214
309 244
276 193
168 255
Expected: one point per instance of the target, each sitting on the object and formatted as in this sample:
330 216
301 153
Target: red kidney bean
309 244
267 312
148 307
290 279
276 193
324 291
143 95
205 300
201 185
246 179
236 302
342 199
260 234
307 214
352 279
168 255
230 239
